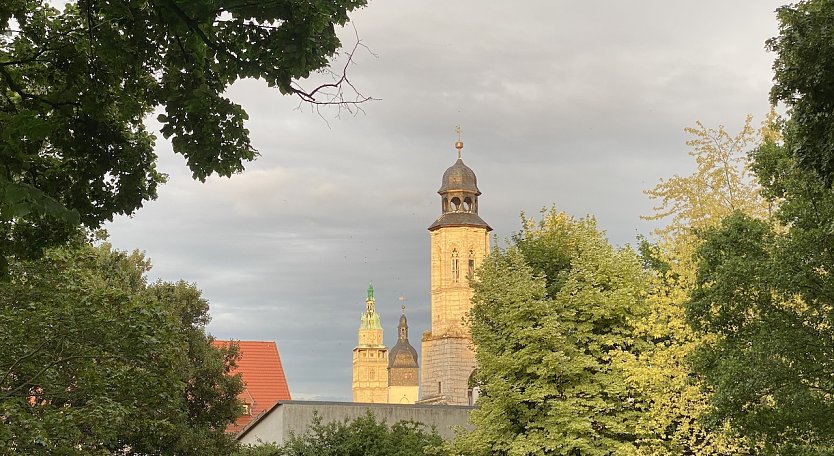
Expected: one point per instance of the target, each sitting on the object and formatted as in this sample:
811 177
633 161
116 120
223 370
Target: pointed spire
402 328
370 304
370 319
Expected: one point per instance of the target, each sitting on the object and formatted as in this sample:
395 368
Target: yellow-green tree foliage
548 312
721 184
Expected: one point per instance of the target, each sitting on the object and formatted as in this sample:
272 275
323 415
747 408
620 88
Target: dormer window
247 409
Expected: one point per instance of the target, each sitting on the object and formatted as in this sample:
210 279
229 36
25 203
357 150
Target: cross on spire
459 143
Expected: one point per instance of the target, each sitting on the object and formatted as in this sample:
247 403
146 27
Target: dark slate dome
459 197
402 355
459 177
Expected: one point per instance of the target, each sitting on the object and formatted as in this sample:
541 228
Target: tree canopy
804 81
548 313
764 294
93 361
765 291
721 183
76 85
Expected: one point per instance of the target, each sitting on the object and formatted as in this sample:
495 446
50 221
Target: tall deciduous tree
548 314
95 362
77 83
768 297
768 294
804 81
721 184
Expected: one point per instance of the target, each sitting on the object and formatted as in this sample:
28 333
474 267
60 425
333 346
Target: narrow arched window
470 270
455 270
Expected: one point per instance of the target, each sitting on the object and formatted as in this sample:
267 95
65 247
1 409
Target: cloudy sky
578 104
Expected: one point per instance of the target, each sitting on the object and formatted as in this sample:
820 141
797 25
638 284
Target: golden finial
459 143
402 300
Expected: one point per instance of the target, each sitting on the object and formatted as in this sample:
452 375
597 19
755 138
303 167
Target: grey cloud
581 104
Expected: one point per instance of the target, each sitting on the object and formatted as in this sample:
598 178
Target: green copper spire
370 319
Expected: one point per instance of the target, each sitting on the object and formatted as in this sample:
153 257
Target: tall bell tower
459 243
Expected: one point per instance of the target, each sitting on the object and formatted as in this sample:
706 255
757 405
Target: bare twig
335 98
341 80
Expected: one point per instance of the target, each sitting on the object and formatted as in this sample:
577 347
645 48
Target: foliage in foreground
768 296
803 78
76 85
362 436
765 290
548 314
93 361
721 184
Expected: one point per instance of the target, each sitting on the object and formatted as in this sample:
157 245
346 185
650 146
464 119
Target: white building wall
296 416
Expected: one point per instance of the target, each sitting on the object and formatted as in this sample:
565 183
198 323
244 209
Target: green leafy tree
721 184
95 362
548 314
363 436
767 296
767 293
76 85
803 80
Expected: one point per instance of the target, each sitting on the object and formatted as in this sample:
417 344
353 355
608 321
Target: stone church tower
459 243
370 357
403 379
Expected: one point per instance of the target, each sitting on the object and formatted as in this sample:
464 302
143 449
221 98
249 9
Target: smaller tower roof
403 354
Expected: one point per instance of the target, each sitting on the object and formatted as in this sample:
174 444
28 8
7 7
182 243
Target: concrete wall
296 416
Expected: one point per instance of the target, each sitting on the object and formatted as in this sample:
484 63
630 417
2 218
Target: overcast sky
578 104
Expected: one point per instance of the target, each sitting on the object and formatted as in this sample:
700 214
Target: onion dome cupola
402 354
459 196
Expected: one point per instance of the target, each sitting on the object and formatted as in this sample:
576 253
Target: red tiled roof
263 377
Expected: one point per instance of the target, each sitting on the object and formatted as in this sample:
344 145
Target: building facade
459 244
